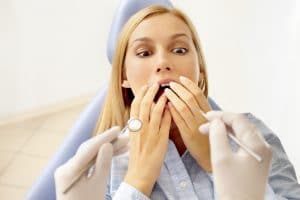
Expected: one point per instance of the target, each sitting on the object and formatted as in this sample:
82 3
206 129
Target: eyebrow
147 39
179 35
142 39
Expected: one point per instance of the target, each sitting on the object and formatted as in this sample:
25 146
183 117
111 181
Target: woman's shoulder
267 133
264 129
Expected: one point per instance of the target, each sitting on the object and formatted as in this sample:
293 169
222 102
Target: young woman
159 77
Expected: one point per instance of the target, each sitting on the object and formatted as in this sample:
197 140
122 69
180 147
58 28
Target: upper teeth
165 84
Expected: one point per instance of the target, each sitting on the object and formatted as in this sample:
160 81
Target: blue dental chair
44 187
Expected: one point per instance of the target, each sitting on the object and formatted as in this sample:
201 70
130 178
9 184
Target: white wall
54 50
252 50
51 51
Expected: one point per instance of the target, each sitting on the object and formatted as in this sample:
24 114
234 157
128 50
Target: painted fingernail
204 128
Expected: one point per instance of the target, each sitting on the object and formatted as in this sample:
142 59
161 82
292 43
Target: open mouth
161 90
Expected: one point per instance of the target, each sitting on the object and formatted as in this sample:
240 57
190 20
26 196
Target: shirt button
183 184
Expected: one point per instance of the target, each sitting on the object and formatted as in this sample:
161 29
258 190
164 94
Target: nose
163 63
163 68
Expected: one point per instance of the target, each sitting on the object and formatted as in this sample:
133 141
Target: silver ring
134 124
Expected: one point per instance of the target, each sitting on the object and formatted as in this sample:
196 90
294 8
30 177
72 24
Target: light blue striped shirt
182 178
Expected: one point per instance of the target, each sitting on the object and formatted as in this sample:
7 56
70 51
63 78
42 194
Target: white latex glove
237 175
93 187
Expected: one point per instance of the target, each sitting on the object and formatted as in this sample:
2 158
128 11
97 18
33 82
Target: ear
201 76
125 84
201 79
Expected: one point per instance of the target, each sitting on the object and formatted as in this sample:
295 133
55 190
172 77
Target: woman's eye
180 50
143 53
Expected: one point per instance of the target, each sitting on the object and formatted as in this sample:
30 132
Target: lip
165 81
161 89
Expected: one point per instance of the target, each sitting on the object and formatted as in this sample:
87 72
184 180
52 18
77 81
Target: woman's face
160 50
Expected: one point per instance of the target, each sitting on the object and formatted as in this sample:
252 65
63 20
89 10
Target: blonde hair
116 107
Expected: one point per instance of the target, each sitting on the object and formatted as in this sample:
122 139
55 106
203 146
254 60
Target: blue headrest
125 10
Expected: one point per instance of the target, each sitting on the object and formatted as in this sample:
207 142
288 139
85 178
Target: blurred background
53 54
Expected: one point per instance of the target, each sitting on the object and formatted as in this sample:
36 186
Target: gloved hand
237 175
93 187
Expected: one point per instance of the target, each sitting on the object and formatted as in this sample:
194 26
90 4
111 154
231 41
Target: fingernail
172 84
155 85
167 90
144 87
204 128
182 78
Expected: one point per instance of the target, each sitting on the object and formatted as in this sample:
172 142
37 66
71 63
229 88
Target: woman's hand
237 175
148 146
90 187
187 102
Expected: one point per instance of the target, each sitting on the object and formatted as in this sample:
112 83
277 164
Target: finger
103 164
105 137
189 99
89 149
152 107
157 113
204 128
122 150
179 121
135 105
220 148
227 117
196 91
182 109
165 127
238 123
245 131
211 115
147 101
120 143
186 96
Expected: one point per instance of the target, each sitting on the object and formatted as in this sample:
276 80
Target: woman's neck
177 139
